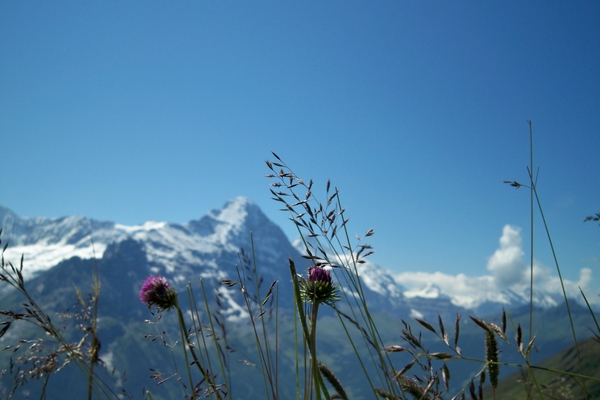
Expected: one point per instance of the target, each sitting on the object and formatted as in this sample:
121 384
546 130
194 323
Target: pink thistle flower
156 290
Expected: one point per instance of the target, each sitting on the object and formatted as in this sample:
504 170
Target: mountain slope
555 385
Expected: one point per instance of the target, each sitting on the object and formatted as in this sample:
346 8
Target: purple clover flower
156 290
318 287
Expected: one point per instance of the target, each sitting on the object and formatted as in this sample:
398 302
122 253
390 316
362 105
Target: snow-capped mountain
171 248
209 248
58 256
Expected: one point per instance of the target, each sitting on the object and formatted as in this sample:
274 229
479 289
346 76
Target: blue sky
416 111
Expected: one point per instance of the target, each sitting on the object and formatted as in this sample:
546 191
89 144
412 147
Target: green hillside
554 385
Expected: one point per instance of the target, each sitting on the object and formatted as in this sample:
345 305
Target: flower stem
183 332
313 349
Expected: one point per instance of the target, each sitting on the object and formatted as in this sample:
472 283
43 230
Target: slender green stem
43 391
94 345
360 361
531 241
259 346
215 339
562 284
183 332
297 358
268 357
309 338
205 373
531 213
300 308
277 338
313 348
366 315
590 309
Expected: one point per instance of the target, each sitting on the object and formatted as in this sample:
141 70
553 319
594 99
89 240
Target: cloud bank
507 283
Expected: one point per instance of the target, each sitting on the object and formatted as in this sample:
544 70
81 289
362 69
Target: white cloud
545 280
508 282
506 264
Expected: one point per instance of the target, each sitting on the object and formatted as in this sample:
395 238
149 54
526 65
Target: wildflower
319 287
157 290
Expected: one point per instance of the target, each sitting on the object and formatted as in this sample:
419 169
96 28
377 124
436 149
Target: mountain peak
46 241
238 217
235 211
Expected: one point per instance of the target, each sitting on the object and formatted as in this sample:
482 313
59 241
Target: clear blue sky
417 111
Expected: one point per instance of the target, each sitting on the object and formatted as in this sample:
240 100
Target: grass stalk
214 336
300 307
562 284
184 343
531 250
313 348
39 318
95 345
532 226
259 346
271 371
591 313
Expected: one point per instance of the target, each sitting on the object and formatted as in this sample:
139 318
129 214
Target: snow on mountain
375 278
380 281
402 297
44 242
209 247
